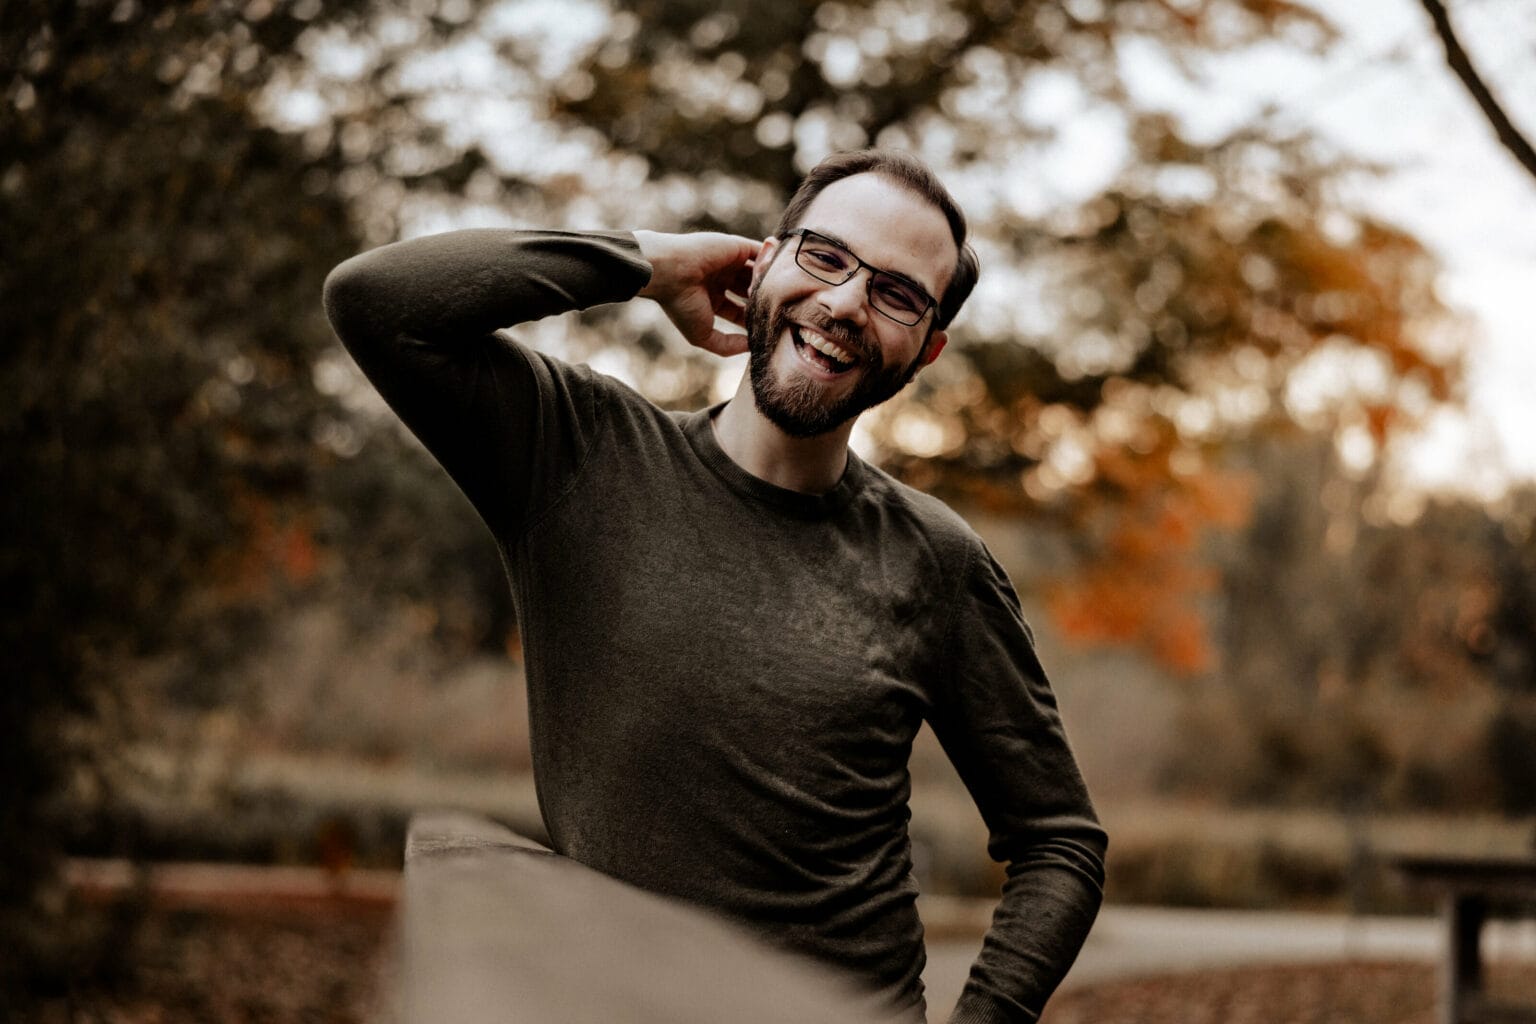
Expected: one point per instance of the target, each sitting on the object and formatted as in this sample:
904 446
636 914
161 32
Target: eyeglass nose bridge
867 293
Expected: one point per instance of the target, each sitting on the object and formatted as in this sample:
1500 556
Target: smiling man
733 625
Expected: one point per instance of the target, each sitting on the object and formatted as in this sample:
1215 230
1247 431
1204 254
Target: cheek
781 288
896 348
763 268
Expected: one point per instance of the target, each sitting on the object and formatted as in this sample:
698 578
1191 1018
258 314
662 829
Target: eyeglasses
831 263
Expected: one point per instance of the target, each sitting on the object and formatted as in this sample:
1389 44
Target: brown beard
797 407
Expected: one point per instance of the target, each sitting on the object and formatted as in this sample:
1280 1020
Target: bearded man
733 625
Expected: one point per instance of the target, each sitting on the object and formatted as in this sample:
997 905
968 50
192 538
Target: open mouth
822 352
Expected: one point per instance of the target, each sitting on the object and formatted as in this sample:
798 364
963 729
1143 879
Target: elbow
345 296
1090 846
1083 856
1077 847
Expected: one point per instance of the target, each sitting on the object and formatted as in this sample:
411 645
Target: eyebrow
914 282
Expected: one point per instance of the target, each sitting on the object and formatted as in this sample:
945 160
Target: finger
726 343
733 311
728 302
742 281
732 288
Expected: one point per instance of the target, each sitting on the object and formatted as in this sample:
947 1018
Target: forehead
887 225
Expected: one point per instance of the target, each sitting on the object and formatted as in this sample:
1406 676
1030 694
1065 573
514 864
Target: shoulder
972 573
614 400
941 526
552 369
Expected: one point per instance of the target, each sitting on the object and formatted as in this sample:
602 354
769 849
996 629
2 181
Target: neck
811 465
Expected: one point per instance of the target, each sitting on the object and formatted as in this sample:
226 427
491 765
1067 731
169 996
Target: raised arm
999 724
461 286
419 317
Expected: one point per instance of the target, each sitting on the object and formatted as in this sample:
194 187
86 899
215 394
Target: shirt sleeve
998 722
511 426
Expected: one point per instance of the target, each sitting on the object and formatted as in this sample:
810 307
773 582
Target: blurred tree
1372 644
184 444
1507 643
168 424
1510 645
1182 293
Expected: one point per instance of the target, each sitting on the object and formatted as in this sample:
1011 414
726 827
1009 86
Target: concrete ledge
494 927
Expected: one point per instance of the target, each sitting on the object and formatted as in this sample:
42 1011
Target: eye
827 259
899 297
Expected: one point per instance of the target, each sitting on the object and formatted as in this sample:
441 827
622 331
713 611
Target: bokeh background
1240 402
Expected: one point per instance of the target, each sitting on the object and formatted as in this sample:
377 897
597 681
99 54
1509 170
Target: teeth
826 347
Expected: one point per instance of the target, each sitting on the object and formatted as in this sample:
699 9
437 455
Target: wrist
654 249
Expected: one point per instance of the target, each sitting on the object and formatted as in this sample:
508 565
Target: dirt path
1356 992
1134 942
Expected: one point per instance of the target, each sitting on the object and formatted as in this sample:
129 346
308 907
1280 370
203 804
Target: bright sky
1468 198
1385 93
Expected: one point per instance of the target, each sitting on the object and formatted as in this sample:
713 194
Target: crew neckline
698 428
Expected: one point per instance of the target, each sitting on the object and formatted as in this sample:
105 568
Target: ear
933 346
763 259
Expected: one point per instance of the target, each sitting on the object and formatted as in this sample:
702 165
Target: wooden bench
494 927
1470 890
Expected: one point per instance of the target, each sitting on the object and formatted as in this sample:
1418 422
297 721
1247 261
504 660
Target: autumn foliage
1147 583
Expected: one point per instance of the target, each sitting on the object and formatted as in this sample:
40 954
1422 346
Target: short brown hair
910 172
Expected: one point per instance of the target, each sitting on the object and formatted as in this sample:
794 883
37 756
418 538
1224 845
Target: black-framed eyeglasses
831 263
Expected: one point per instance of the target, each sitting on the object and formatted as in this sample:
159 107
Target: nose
846 301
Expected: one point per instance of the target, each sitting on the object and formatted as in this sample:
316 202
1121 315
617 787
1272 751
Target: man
733 625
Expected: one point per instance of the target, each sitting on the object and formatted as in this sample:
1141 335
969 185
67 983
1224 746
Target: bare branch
1460 63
